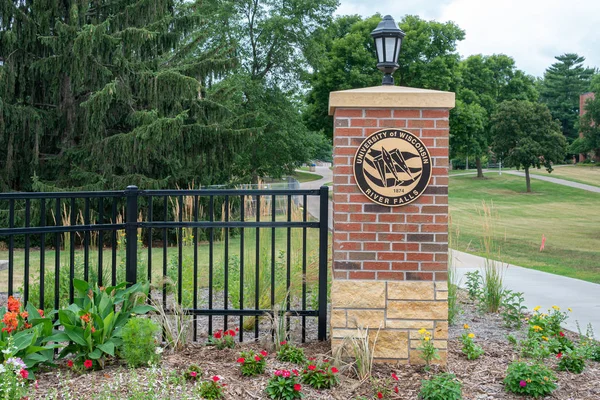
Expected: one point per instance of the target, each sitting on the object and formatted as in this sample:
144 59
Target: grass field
568 218
306 176
582 174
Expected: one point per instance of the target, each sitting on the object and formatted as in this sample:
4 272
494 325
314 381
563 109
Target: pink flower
193 374
394 376
278 373
216 378
523 383
24 373
241 360
286 374
379 395
559 356
297 387
311 367
334 370
88 363
264 353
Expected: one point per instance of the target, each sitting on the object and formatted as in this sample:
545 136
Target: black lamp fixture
388 39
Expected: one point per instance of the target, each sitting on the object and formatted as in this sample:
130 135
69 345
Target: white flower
159 350
2 369
17 362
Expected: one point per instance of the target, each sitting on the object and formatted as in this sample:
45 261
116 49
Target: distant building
582 99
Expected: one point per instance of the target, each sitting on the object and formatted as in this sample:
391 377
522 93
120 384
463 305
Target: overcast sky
533 32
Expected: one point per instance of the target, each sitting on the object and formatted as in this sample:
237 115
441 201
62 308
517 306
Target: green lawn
306 176
568 218
582 174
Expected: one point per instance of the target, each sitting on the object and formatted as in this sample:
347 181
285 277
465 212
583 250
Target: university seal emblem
392 167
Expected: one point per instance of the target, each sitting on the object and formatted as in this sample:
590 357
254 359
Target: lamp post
388 39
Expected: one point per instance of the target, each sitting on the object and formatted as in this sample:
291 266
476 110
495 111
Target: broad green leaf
81 287
24 339
76 334
58 337
142 309
108 348
96 354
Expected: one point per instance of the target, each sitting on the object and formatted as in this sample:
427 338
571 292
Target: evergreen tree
563 82
105 94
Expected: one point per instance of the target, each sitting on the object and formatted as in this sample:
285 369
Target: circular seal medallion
392 167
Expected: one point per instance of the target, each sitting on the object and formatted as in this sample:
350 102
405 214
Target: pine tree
108 93
563 82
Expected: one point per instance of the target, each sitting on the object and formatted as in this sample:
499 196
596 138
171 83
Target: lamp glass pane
379 45
390 47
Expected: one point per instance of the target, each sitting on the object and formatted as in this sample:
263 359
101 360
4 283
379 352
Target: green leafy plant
444 386
571 361
320 375
531 379
473 283
588 346
469 348
382 388
223 339
24 332
192 373
252 364
535 348
547 324
284 385
427 349
92 325
212 389
513 308
290 353
139 342
13 377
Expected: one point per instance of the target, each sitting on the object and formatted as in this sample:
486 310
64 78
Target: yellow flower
528 380
537 328
471 335
466 326
545 338
569 309
546 378
536 308
556 308
544 315
427 338
422 331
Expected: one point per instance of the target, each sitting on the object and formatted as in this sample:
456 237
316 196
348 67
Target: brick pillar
390 263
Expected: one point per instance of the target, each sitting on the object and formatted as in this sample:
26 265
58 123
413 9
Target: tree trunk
527 179
479 168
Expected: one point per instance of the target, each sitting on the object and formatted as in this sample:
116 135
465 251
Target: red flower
394 376
297 387
311 367
85 317
41 312
24 314
217 335
334 370
70 363
283 343
216 378
264 353
226 333
88 363
396 389
237 329
379 395
561 334
193 374
231 332
241 360
559 356
24 373
257 358
295 371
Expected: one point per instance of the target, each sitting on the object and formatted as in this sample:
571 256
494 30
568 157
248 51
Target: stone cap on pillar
390 97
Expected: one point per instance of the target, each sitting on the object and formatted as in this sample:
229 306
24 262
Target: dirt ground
482 378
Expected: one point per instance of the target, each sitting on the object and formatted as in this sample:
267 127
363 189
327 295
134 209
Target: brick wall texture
390 243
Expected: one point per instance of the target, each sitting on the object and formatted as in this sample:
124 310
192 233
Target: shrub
548 324
284 385
252 364
223 340
470 349
139 342
571 361
427 349
530 379
320 375
473 283
212 389
290 353
513 308
444 386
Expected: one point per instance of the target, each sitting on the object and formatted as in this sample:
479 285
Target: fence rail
227 253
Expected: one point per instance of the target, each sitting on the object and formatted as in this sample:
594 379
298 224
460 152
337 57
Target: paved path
543 289
558 181
313 202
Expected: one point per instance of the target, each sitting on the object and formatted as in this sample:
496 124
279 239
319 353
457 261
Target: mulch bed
482 378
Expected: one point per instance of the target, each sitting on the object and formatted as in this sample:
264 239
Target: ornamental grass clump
211 389
320 375
530 379
469 348
444 386
284 385
427 349
223 339
252 364
290 353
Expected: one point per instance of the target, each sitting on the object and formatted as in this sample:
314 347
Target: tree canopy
590 124
526 136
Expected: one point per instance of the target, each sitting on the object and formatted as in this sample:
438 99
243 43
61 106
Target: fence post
131 226
323 272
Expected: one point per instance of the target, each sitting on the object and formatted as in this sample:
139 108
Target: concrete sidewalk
543 289
313 202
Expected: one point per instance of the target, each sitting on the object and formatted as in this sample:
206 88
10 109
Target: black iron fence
223 255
